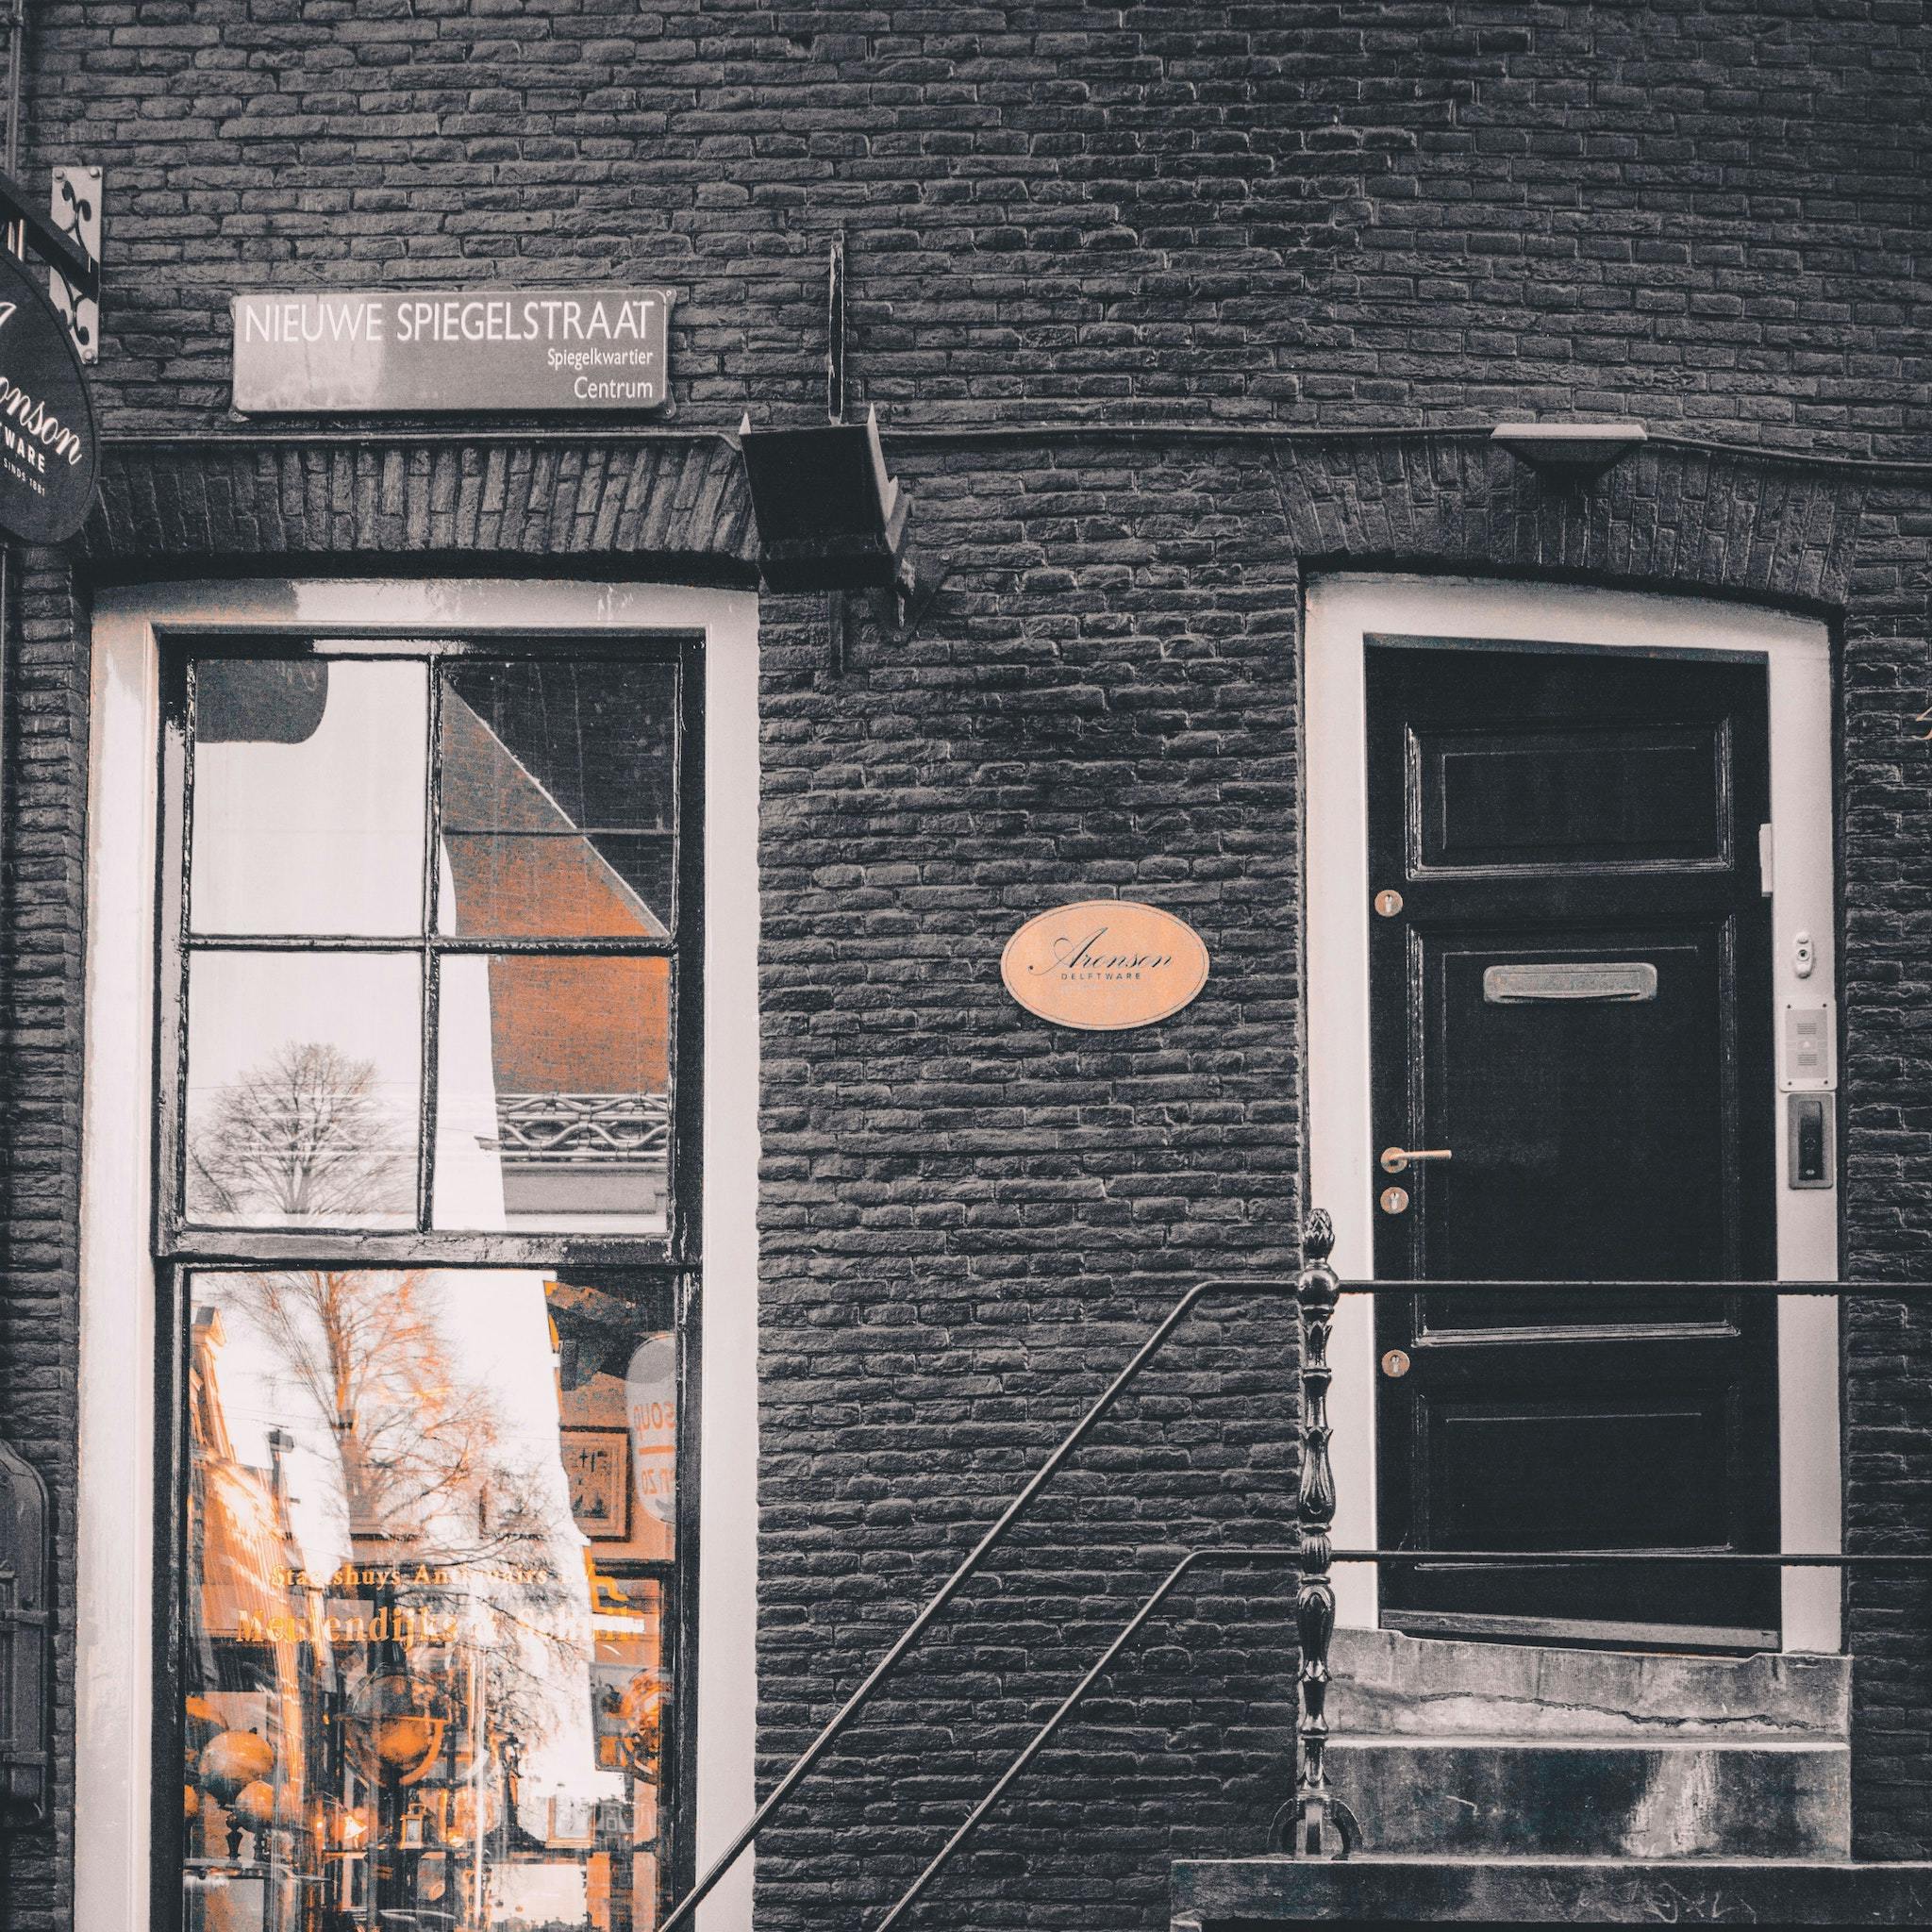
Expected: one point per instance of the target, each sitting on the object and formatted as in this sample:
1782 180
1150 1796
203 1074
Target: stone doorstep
1388 1684
1443 1746
1246 1894
1620 1797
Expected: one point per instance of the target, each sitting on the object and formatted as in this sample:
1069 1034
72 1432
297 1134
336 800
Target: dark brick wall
904 1087
1690 212
1886 832
1213 215
970 1218
40 1137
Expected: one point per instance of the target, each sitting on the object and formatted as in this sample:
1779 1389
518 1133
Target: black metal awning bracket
68 240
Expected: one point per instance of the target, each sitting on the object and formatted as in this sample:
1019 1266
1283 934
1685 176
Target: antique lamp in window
235 1769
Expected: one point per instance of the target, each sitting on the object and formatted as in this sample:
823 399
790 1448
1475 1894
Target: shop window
421 1219
428 942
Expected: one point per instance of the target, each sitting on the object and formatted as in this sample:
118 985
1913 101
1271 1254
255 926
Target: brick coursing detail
1685 212
40 1142
676 505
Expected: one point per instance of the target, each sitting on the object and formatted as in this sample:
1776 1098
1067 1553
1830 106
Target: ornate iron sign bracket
76 212
52 244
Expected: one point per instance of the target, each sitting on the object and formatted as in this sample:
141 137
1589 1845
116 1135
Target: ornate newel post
1315 1830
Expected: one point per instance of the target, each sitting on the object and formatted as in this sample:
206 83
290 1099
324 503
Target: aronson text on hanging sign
527 350
49 446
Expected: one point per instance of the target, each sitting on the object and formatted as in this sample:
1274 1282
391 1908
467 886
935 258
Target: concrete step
1597 1797
1443 1746
1389 1685
1248 1894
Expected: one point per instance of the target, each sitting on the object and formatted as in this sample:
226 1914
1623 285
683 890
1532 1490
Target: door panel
1573 1000
1585 795
1581 1127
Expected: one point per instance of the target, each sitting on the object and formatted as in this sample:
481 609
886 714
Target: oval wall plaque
1104 964
49 445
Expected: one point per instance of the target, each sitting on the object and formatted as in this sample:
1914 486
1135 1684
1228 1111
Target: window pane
558 784
310 796
554 1094
304 1075
425 1681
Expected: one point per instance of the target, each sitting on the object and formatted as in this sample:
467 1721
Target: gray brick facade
1163 309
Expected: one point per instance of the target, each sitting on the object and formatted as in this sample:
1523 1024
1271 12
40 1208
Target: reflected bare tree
301 1137
433 1482
434 1486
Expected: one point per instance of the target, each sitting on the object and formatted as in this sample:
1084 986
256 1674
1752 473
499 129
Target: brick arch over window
674 507
1664 518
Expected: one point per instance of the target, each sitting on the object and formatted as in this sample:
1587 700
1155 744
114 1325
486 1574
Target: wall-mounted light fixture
829 517
1573 450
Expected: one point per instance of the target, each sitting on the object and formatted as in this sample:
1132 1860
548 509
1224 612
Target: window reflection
554 1093
427 1664
304 1075
558 799
309 782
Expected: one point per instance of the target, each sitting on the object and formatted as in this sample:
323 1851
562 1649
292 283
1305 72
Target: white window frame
1341 611
114 1741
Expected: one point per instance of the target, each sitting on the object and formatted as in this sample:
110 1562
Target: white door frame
1342 608
114 1719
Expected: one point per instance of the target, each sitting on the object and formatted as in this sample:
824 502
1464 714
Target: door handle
1395 1158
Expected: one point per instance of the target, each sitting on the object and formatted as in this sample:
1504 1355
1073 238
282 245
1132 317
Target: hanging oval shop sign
49 446
1104 964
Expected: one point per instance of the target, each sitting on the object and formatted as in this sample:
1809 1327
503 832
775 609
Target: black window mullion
684 1193
177 792
403 943
173 1584
431 988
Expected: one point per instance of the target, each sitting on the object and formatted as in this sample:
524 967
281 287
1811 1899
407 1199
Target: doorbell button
1804 957
1808 1149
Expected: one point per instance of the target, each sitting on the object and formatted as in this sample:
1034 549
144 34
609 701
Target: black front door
1571 995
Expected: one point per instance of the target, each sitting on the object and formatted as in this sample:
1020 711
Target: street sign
534 351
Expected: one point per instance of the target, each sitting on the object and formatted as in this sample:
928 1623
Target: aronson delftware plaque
1104 964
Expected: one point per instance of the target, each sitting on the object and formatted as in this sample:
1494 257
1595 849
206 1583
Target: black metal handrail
1314 1831
802 1765
1038 1743
1070 1703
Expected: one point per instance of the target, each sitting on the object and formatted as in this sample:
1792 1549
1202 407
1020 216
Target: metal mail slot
1509 986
